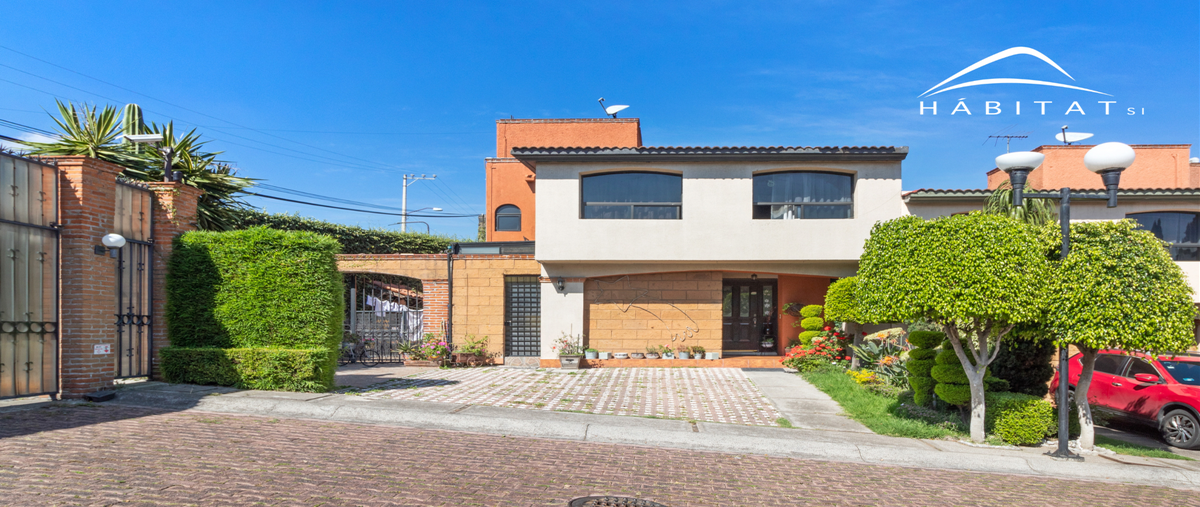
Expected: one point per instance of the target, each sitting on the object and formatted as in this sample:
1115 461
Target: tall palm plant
1036 212
84 131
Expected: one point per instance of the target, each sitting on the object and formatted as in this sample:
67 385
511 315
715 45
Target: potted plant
652 352
604 355
591 353
636 355
472 353
696 351
432 351
681 352
570 351
620 355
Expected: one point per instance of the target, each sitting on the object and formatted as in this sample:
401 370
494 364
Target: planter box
570 362
589 355
711 356
620 355
423 363
681 355
604 355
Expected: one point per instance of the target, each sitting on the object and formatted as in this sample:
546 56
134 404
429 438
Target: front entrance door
522 317
747 314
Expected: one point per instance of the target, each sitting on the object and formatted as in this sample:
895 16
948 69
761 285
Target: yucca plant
84 131
1037 212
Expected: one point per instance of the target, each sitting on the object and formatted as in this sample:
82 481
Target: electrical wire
324 197
410 215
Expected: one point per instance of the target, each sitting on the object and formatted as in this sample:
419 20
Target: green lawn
1123 447
876 412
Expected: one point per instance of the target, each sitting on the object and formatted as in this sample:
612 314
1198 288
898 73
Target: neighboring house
1161 191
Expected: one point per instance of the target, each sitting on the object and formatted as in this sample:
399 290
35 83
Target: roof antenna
1072 137
612 110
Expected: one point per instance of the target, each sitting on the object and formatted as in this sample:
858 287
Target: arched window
1179 228
804 195
632 195
508 218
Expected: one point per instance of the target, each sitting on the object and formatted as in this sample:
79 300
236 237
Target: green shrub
1025 363
811 311
1019 419
921 354
920 367
839 300
922 388
813 324
995 385
947 355
256 289
954 394
926 339
306 370
806 337
354 240
949 374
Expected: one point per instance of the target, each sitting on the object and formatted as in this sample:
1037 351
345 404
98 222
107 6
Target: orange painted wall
1156 166
806 290
509 181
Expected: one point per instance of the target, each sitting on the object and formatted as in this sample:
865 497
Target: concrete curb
844 446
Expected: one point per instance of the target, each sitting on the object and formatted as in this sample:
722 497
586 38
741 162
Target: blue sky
341 99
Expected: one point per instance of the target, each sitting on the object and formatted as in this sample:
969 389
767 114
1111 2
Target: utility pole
404 197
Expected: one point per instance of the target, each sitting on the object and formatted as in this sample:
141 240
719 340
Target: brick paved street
722 395
106 455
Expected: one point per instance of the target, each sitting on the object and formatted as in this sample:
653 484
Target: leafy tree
976 275
839 300
1118 289
98 134
1037 212
1026 361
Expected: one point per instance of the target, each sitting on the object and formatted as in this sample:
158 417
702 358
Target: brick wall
174 213
629 313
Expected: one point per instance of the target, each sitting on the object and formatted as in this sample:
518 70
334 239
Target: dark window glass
803 195
508 218
1110 363
643 196
1180 229
1137 366
1184 372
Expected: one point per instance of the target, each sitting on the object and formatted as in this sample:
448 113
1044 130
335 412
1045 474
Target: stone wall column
174 213
87 281
436 300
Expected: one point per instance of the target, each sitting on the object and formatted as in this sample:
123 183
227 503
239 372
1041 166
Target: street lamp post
409 179
403 223
1108 160
167 153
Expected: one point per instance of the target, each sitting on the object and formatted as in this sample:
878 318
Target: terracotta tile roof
600 154
951 193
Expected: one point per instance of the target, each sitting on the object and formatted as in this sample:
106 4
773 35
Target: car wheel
1180 429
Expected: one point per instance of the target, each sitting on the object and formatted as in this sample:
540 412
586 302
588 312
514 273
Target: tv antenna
1072 137
612 110
1007 140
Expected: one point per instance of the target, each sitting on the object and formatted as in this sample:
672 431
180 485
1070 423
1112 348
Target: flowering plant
827 349
431 348
568 345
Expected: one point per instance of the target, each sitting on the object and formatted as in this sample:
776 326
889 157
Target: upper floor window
1179 228
508 218
803 195
632 195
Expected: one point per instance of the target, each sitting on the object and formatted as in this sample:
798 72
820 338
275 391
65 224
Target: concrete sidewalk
832 440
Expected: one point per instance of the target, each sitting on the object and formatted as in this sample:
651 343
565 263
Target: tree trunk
855 330
1087 428
978 410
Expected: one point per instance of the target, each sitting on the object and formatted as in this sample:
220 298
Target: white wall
562 312
716 223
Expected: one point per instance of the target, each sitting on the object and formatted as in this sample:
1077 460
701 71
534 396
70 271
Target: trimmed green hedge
354 239
306 370
806 337
920 367
954 394
811 311
949 374
252 289
926 339
813 324
922 354
1019 419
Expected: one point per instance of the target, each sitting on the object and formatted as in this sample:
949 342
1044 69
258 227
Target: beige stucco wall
716 223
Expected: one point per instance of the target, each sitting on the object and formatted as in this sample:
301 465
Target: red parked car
1163 392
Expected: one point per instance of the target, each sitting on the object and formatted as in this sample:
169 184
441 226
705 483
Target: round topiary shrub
926 339
919 367
811 311
921 354
954 394
813 324
922 389
947 356
806 337
949 374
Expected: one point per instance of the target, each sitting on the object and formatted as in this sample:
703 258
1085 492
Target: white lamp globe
113 240
1109 157
1019 160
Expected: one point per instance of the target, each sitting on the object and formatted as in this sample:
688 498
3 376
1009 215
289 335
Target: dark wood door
747 310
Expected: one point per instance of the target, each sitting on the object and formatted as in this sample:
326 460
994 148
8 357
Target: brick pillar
174 214
87 282
436 294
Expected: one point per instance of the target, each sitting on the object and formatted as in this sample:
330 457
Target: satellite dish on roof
1071 137
612 110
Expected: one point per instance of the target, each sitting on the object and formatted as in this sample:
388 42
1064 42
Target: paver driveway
722 395
109 455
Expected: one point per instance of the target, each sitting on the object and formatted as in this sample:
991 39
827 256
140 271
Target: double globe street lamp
1108 160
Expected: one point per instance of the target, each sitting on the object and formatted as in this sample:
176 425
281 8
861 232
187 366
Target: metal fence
385 316
133 219
28 277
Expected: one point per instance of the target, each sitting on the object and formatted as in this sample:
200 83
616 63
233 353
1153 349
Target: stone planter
681 355
637 355
604 355
711 356
620 355
590 354
651 355
467 359
569 362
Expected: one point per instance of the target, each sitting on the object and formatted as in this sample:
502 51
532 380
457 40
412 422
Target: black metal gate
522 316
385 313
28 277
135 265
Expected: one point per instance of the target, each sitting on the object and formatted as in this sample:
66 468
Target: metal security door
522 316
28 277
135 264
384 315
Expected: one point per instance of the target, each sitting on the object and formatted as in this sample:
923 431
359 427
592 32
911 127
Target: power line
358 133
410 215
325 198
26 128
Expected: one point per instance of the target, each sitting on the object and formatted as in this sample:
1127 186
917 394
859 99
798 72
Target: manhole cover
612 501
